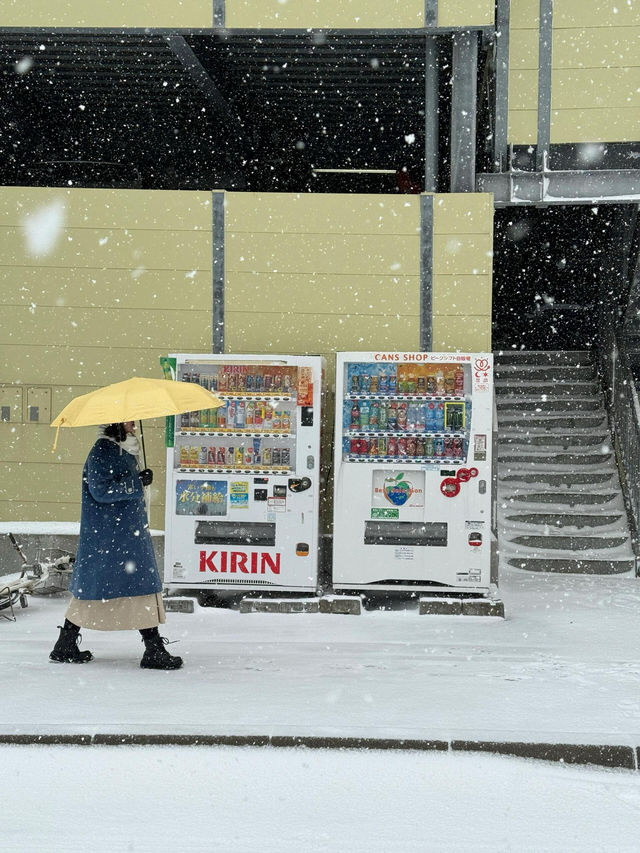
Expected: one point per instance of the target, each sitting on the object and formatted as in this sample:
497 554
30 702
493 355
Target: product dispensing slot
433 534
261 534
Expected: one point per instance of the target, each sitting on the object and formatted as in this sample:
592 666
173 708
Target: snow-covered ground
564 666
235 800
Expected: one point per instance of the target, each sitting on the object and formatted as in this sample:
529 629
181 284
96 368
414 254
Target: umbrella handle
55 440
144 455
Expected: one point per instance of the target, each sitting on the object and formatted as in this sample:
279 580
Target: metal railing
623 405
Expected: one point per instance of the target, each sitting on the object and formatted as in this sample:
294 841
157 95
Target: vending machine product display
412 473
242 490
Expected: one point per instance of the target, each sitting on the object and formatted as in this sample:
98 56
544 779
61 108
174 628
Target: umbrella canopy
133 400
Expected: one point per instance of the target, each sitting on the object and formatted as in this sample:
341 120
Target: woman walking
115 583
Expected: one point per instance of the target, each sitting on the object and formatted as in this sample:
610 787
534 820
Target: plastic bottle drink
373 447
240 414
373 386
257 455
382 445
258 383
449 380
373 414
249 413
402 416
248 383
458 381
258 416
382 416
267 457
439 421
365 383
392 416
421 387
355 383
392 446
383 383
184 456
276 422
285 457
420 446
439 381
393 383
432 388
355 416
285 421
248 455
428 445
364 414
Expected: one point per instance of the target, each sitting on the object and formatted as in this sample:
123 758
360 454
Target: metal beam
604 186
200 77
218 13
463 112
217 234
431 114
544 84
431 13
501 122
426 273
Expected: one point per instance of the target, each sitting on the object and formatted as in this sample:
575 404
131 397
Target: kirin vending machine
243 479
413 503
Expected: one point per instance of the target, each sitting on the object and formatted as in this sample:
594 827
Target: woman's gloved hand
146 477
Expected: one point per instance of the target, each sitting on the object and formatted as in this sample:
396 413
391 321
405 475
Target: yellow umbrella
133 400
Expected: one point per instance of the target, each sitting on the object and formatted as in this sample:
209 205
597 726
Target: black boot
66 649
155 655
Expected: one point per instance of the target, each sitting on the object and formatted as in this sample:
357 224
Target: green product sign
384 512
169 369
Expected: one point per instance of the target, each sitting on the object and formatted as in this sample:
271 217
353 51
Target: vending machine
242 490
413 503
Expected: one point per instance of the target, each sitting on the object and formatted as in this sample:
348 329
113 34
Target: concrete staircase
560 505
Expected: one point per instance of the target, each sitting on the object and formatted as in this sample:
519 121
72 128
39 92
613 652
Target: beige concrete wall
466 13
97 285
595 84
106 13
462 271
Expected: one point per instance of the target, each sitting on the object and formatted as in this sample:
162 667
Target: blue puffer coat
115 557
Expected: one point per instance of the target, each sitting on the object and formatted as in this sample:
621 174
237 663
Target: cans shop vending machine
413 471
243 480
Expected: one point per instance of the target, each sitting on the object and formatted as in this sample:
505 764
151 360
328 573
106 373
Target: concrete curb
600 755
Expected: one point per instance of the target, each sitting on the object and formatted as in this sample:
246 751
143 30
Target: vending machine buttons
260 494
311 463
306 416
450 487
475 539
302 549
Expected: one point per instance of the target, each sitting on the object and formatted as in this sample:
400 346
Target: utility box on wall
10 404
37 405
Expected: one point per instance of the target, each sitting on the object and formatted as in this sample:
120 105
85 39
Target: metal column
463 112
431 113
544 85
217 271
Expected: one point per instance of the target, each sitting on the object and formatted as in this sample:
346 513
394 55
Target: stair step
559 357
561 422
573 566
574 404
526 462
559 389
565 441
535 373
562 498
566 478
569 543
559 520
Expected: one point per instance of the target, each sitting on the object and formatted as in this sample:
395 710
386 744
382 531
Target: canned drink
267 458
239 456
211 456
248 455
220 456
204 417
392 446
363 446
275 456
249 417
373 386
432 387
258 415
285 421
402 416
268 382
223 381
277 383
257 455
285 457
373 447
248 383
276 422
186 376
421 387
458 448
221 418
268 418
287 383
258 383
194 453
354 447
411 446
185 420
393 383
355 384
231 414
383 418
383 383
402 447
428 445
184 457
438 446
194 420
392 416
241 378
382 445
373 414
241 414
230 456
448 446
214 382
420 446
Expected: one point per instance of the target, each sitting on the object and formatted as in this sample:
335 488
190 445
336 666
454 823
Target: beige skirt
118 614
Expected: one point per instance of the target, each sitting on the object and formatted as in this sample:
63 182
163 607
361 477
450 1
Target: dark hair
116 431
